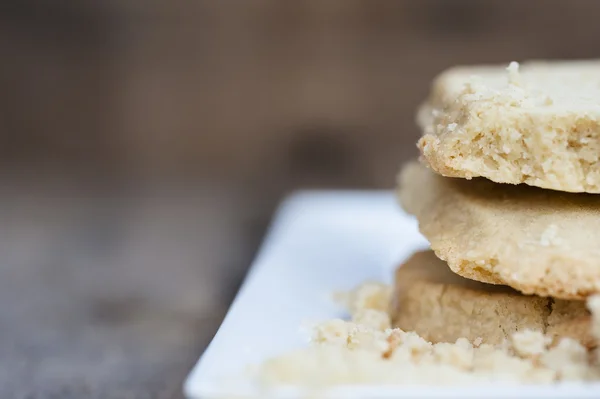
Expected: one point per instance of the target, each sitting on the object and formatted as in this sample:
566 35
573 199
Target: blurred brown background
146 144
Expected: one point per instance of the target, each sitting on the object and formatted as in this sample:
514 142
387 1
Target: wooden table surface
115 295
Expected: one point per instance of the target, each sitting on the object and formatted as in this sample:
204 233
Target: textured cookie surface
441 306
537 124
537 241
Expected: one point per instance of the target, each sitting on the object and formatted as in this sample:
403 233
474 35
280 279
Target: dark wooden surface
114 294
240 89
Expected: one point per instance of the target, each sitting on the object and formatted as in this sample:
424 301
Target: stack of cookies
507 195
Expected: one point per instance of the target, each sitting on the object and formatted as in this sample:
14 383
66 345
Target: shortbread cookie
537 124
537 241
441 306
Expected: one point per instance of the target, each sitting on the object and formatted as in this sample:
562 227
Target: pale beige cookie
538 123
442 306
537 241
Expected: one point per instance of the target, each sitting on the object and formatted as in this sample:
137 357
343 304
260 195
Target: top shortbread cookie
538 124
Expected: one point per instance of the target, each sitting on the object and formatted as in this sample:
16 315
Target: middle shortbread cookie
537 241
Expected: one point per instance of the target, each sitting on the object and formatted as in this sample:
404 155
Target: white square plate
319 243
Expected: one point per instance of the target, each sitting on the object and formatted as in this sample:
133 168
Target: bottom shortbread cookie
442 306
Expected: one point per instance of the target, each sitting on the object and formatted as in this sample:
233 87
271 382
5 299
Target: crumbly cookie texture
537 241
538 123
355 352
442 306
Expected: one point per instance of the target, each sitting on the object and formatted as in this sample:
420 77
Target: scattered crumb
371 295
529 344
366 351
568 359
514 78
372 318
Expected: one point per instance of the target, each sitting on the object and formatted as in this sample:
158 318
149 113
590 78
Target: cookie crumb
529 343
514 77
349 352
